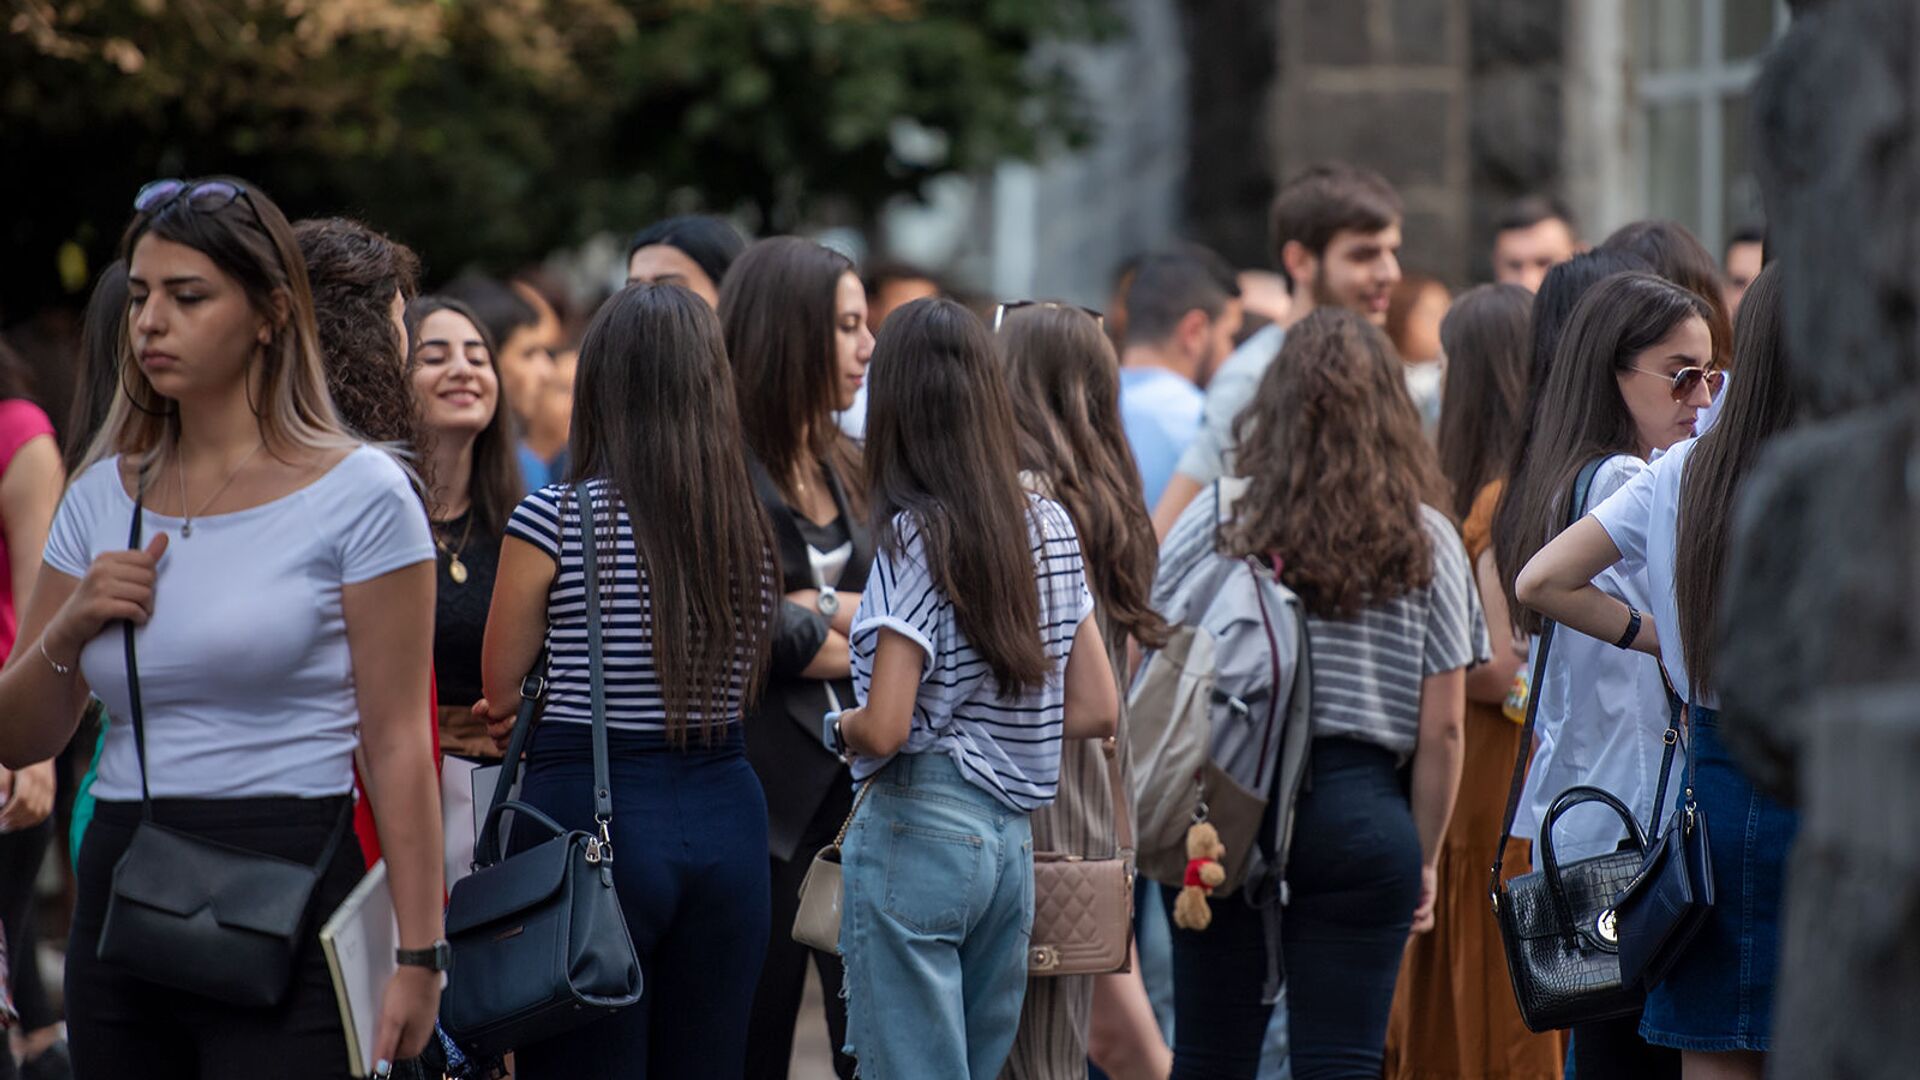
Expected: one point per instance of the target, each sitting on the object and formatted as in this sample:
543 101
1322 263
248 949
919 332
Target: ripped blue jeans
937 911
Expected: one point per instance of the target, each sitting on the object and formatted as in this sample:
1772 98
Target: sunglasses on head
1683 382
1007 307
206 196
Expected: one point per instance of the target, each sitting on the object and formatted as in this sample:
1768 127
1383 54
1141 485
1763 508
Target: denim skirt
1719 994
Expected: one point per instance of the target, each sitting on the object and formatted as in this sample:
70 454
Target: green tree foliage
491 131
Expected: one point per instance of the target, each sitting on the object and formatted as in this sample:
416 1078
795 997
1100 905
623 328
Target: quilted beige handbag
1083 907
817 923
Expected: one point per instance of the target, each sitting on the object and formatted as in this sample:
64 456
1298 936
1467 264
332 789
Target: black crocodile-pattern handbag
1557 923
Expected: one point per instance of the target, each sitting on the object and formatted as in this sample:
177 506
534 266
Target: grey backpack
1219 716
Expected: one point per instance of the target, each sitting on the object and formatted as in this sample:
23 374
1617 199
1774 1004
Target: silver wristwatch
828 602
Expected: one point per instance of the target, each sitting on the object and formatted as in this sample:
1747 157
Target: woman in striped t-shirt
686 578
1340 487
974 654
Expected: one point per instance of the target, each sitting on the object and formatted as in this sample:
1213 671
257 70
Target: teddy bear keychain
1204 874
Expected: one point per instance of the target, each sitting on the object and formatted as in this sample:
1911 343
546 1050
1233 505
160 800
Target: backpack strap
1576 506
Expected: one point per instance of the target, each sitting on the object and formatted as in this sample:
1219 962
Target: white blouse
246 680
1603 713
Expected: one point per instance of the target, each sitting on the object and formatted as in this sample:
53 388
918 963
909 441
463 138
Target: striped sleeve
901 596
1455 632
537 520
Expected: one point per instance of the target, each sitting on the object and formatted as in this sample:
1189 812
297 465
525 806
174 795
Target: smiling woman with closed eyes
474 477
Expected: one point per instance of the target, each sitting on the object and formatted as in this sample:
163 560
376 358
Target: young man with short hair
1532 236
1182 321
1336 240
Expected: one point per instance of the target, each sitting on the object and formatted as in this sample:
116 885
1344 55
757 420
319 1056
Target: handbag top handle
486 848
137 714
1576 505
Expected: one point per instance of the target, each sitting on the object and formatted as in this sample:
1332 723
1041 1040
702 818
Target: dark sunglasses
1006 307
206 196
1684 380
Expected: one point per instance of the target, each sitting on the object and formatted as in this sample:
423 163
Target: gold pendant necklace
456 569
180 474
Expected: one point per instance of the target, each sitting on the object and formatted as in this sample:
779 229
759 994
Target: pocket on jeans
930 878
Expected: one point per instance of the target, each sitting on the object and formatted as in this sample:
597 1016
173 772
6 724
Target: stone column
1821 646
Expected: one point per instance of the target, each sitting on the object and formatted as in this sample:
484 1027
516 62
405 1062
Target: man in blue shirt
1183 311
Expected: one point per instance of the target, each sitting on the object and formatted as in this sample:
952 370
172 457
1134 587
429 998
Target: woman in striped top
686 592
974 654
1341 492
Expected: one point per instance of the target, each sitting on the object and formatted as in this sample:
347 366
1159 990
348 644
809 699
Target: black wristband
1633 630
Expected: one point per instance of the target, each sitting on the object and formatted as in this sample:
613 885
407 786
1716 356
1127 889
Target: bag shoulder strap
137 714
1122 810
1576 505
596 666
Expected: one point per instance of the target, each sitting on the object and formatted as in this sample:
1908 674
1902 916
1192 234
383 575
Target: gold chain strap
841 837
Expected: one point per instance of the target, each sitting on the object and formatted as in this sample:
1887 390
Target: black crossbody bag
1671 898
201 916
540 944
1558 924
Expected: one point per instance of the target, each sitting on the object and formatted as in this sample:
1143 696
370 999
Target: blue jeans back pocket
931 877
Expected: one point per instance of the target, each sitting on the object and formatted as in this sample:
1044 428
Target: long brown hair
777 309
940 459
494 488
1066 400
1582 414
355 273
1338 469
654 416
250 240
1679 256
1760 403
98 365
1485 337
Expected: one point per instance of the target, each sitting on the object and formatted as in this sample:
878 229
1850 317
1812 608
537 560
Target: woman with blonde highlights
281 595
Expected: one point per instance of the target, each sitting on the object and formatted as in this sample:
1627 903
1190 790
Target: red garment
21 422
363 826
1192 878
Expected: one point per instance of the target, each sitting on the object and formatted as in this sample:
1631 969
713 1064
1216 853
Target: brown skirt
1454 1016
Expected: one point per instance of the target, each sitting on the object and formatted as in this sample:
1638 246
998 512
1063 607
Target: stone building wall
1458 102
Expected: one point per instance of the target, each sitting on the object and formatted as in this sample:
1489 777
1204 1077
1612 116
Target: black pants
1354 879
783 980
21 854
1614 1050
122 1026
690 867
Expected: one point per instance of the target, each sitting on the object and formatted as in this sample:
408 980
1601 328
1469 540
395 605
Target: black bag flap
183 874
511 885
1590 886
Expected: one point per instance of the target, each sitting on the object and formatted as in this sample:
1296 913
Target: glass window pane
1747 26
1741 204
1673 163
1673 34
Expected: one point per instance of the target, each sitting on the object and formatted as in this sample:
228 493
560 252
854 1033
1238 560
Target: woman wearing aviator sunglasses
1629 377
280 594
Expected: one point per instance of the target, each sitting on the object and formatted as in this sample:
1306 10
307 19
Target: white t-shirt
246 681
1007 747
1642 519
1603 713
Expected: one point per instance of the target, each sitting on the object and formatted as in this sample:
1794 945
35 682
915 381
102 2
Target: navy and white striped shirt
549 519
1009 747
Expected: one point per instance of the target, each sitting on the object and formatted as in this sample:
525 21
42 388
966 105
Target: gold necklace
180 473
456 569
